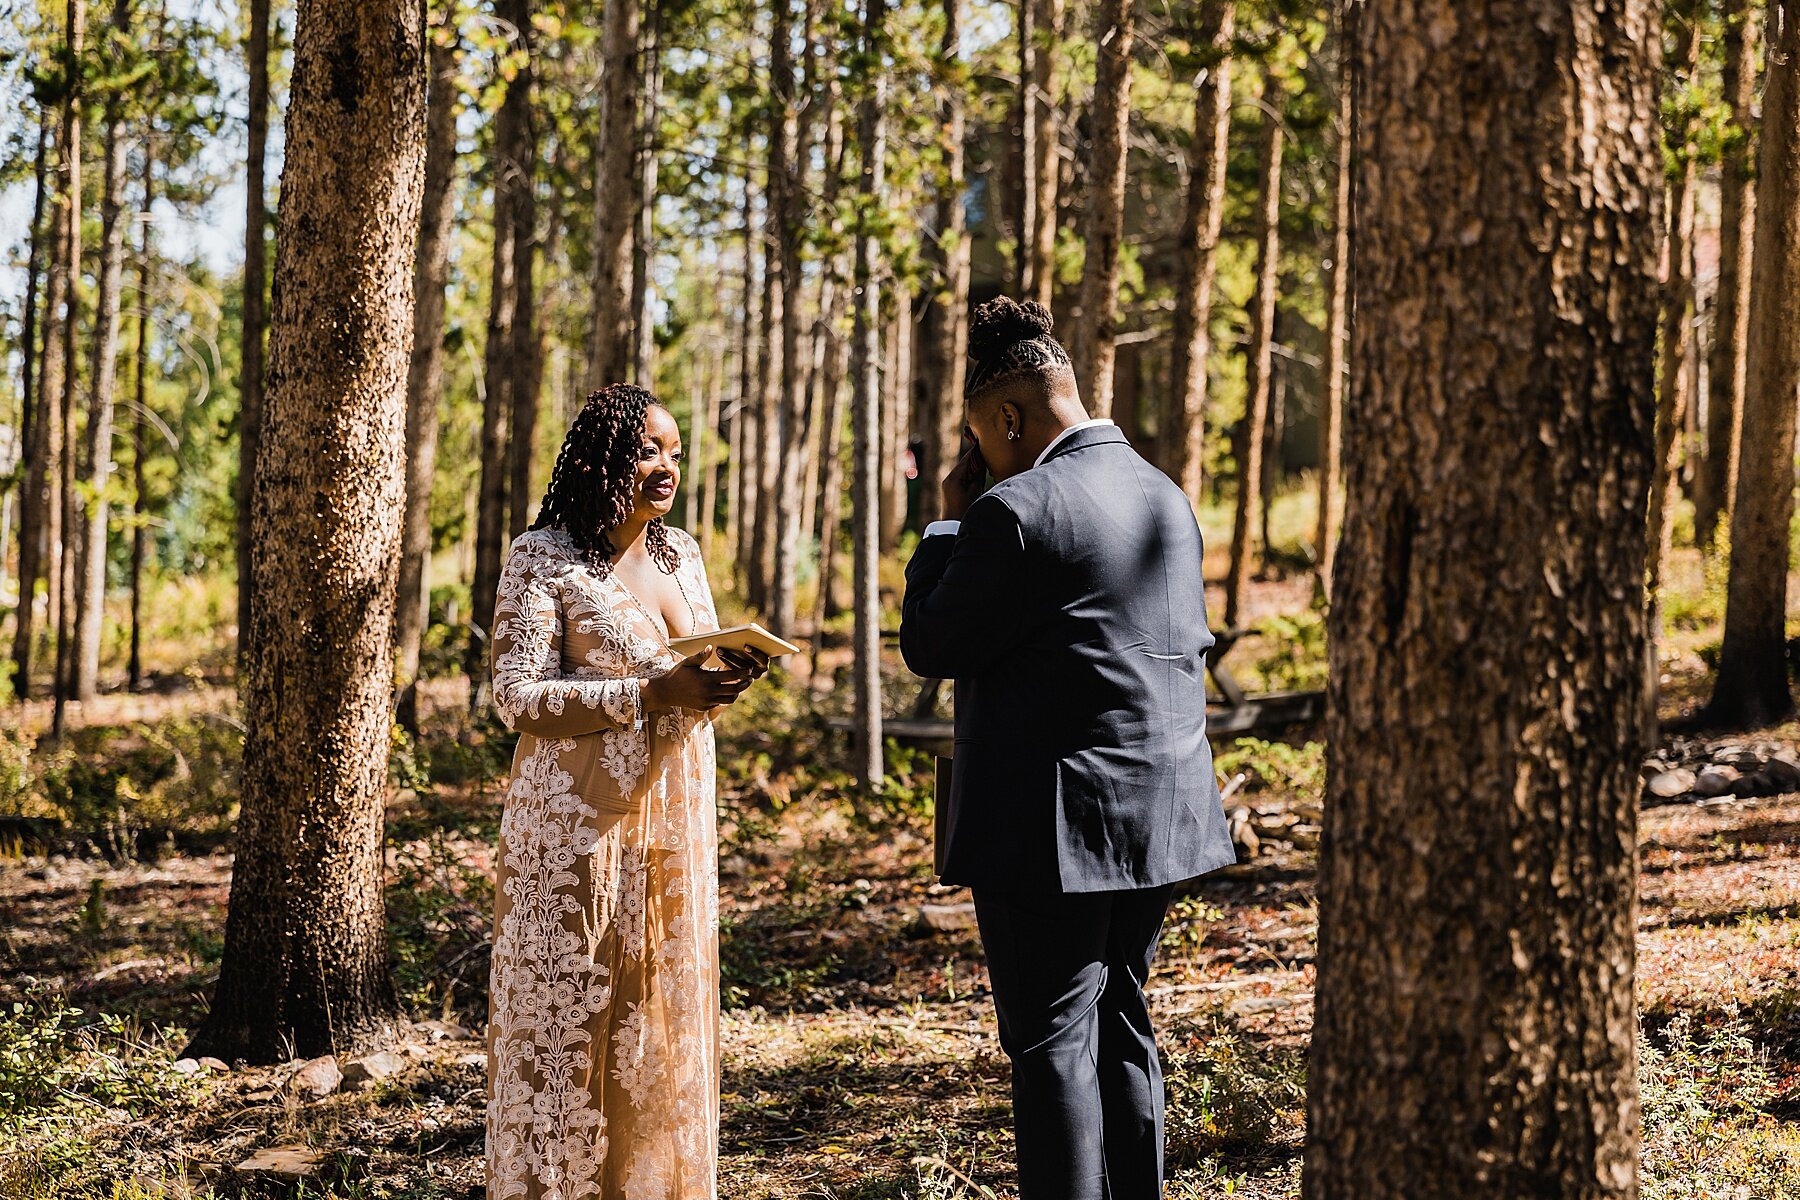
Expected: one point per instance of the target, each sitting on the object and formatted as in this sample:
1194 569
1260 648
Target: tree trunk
865 355
103 378
765 425
1475 1023
1019 154
896 412
34 490
305 964
1114 32
945 328
140 432
1337 308
67 530
511 149
702 494
830 506
1260 357
1185 424
787 146
1678 319
1731 312
615 183
250 373
425 370
740 477
517 123
1045 159
643 328
1752 686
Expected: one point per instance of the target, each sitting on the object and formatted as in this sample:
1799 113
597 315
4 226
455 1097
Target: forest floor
860 1055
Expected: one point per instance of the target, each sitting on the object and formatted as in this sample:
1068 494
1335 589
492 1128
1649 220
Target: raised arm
960 613
530 691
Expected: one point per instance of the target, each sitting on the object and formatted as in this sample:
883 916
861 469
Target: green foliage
1293 652
1276 766
440 904
1703 1085
60 1064
1227 1091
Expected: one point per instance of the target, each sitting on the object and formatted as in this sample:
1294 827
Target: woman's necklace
604 568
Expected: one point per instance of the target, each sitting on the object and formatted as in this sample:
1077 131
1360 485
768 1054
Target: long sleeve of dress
530 690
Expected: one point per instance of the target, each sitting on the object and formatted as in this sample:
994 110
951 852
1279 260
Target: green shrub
59 1064
1297 771
1225 1090
1293 657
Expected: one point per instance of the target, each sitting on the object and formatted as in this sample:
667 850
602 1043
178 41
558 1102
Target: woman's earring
1012 435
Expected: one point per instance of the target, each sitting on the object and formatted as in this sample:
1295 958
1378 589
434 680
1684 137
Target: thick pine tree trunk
1475 1024
103 382
1337 308
865 356
1260 356
1184 425
305 967
643 328
945 327
615 184
1731 311
250 373
425 371
1115 23
1752 685
34 500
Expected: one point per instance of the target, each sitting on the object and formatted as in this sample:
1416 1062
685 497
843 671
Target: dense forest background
289 349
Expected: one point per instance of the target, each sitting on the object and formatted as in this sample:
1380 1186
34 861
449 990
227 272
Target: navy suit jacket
1070 613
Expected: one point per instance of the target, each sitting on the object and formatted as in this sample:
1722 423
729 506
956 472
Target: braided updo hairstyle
594 486
1009 341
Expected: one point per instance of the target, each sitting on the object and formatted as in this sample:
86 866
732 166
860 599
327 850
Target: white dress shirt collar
1063 436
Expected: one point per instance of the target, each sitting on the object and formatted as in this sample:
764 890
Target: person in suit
1065 602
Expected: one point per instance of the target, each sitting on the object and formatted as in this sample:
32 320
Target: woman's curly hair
1009 341
593 488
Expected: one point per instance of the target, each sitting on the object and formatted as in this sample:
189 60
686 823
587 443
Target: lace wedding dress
603 1075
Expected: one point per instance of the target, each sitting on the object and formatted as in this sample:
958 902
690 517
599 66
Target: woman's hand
748 659
691 685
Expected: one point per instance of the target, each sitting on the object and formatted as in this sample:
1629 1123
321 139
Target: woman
603 1075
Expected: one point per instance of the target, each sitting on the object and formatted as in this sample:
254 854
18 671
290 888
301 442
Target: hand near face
965 483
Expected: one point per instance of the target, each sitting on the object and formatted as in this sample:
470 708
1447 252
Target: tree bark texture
1115 25
305 966
615 186
1475 1032
256 320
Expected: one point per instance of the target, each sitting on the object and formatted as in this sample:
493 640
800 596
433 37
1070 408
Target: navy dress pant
1068 973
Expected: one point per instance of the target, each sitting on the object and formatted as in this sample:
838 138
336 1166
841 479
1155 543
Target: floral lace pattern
603 1068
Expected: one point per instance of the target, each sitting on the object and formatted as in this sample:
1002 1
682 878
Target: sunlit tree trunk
1260 357
1475 1031
1731 311
896 413
787 148
615 187
1185 423
1337 307
518 124
945 327
425 371
255 283
865 355
1678 313
140 431
68 529
305 965
36 417
1115 23
103 381
1044 145
643 327
1752 685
